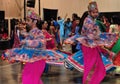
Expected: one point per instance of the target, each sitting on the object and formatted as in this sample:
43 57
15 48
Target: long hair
85 14
39 24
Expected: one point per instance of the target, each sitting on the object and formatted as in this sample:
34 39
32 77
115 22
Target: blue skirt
32 55
76 61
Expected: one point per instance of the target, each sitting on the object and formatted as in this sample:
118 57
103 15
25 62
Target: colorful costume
34 49
77 59
34 52
89 56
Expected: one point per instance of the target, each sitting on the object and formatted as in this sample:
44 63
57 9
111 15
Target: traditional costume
33 51
91 58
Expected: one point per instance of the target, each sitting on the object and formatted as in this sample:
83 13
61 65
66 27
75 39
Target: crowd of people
94 42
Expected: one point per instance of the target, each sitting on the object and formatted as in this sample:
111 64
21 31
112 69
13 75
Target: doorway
50 13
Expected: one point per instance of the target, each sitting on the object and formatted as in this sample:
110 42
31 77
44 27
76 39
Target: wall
64 6
15 8
12 8
109 5
79 6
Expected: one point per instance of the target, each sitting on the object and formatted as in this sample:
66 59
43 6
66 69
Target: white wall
79 6
64 6
12 8
109 5
15 8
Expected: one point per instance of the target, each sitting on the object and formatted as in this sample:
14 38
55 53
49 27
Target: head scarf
31 14
92 6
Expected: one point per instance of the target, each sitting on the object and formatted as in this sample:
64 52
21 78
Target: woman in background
50 42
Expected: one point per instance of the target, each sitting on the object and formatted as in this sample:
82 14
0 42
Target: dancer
88 59
32 51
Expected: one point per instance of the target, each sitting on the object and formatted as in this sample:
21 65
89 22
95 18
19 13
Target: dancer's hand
23 42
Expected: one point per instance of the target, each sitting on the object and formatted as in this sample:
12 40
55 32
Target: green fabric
116 47
101 26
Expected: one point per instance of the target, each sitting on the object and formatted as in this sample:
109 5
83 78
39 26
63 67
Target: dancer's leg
32 72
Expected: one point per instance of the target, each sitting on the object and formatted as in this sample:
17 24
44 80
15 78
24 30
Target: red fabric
92 59
50 44
116 60
32 72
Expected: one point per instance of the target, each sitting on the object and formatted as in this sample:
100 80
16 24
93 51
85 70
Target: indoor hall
18 14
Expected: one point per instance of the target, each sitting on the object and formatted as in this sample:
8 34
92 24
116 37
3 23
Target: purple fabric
32 72
92 58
